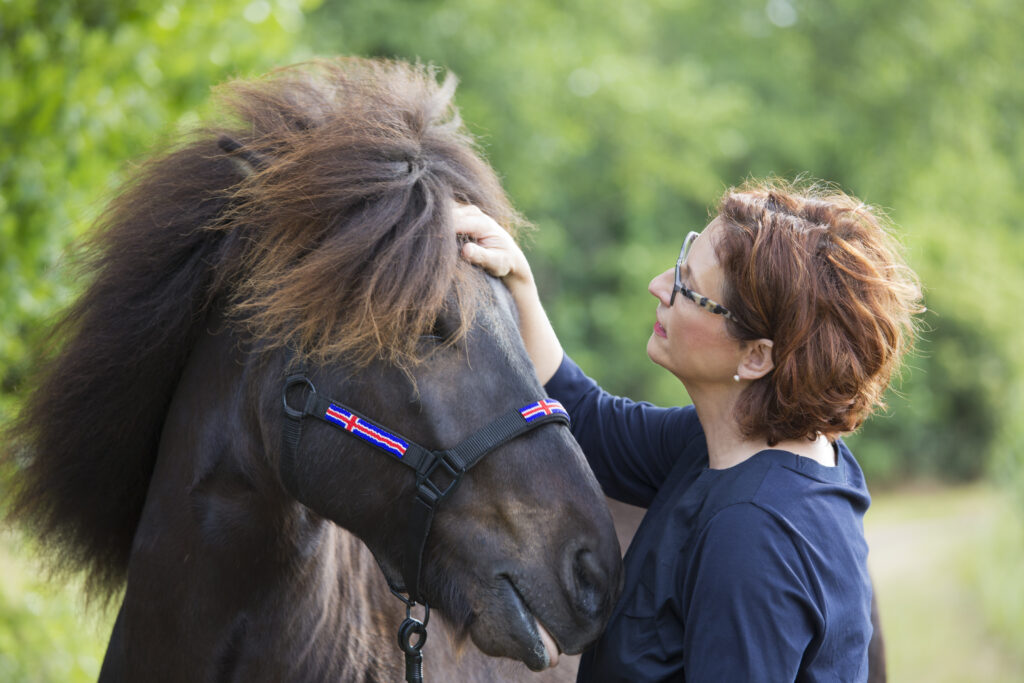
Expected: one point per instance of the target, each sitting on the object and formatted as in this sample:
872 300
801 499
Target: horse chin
509 628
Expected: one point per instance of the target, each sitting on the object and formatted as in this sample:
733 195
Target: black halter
437 475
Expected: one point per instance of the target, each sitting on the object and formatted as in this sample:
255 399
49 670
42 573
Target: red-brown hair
815 271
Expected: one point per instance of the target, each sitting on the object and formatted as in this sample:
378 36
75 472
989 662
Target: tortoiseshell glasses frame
699 299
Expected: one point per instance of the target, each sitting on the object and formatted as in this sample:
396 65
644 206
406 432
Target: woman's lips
659 330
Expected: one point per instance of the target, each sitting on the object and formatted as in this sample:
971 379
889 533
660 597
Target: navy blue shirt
756 572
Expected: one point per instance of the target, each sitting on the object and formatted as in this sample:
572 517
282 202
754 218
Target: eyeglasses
702 301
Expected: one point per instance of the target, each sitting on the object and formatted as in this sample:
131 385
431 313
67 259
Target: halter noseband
437 472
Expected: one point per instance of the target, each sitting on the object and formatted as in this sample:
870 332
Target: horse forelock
348 223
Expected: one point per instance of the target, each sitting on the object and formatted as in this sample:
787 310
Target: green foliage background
615 127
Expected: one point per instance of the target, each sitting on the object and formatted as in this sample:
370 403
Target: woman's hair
815 271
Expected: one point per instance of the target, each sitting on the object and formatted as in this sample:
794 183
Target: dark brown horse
313 232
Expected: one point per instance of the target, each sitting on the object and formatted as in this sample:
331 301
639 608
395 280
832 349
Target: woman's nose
661 286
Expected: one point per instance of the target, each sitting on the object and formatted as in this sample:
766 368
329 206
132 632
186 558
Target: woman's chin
657 352
654 350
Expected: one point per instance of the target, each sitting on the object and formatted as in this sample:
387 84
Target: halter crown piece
437 475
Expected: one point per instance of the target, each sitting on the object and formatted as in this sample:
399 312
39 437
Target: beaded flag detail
366 430
547 406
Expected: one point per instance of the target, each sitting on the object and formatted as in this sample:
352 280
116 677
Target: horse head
522 546
354 271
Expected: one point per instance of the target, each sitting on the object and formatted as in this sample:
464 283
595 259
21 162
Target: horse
300 253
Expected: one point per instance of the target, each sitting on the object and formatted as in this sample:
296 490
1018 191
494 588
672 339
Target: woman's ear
757 360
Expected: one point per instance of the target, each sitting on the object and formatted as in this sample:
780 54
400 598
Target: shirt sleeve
750 610
631 446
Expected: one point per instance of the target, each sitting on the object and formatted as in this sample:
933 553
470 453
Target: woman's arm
630 446
494 250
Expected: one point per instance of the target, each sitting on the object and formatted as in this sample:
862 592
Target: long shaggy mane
319 217
354 254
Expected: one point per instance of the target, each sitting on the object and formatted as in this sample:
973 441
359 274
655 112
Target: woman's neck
727 446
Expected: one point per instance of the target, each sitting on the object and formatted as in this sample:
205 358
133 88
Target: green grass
45 633
948 565
995 574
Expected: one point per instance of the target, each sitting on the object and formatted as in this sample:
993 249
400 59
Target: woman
784 319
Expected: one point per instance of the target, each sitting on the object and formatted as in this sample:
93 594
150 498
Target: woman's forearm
538 335
494 250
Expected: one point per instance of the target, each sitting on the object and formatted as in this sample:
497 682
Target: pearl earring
735 378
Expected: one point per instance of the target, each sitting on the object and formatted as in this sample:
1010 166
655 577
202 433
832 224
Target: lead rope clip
412 635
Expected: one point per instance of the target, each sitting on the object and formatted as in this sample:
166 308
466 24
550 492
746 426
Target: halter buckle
451 472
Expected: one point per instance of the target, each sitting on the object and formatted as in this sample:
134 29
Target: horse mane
323 224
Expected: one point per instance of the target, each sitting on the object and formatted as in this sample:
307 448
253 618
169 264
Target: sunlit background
615 126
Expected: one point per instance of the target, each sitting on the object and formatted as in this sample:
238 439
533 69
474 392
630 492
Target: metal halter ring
409 629
295 380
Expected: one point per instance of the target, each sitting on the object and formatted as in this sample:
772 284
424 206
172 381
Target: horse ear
246 160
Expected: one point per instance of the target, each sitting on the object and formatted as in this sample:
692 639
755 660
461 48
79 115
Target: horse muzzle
534 617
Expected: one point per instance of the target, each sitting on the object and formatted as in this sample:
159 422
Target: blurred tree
86 86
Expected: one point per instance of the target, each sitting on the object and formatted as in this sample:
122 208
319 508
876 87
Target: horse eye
436 333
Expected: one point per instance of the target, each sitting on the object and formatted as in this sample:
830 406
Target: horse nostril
590 583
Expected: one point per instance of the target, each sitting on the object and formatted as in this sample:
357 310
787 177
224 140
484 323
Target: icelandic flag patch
546 406
366 430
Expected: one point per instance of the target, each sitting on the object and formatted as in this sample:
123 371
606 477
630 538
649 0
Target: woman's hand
492 248
496 252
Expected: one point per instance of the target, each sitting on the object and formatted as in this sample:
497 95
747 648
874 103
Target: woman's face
689 341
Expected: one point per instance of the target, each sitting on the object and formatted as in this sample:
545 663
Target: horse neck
217 428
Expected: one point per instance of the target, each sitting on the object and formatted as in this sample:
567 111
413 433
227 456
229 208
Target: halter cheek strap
438 473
